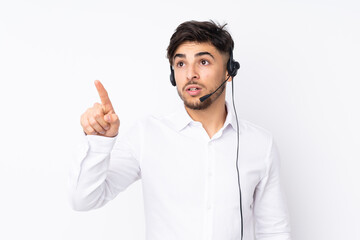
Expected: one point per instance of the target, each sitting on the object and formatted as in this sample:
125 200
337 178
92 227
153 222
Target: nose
192 73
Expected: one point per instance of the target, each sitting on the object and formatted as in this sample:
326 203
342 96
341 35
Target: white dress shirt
189 180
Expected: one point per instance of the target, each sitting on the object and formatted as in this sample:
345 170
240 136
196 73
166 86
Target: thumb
111 118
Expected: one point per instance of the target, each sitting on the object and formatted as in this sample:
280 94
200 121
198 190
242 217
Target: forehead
191 48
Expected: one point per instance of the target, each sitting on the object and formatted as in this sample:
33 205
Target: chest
187 168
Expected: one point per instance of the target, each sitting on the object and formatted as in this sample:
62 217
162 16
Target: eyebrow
204 53
181 55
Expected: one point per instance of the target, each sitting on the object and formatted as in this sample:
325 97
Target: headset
232 67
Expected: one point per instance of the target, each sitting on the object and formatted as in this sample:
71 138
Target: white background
299 78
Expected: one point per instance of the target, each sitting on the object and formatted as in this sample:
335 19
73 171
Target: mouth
193 90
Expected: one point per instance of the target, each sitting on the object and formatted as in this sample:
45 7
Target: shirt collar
230 118
181 118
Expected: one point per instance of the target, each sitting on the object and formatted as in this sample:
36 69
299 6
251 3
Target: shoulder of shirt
248 127
257 136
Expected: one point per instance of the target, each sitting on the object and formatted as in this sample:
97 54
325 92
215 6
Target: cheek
212 77
179 85
206 73
179 76
181 80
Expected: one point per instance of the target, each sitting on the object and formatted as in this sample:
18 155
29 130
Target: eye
180 64
204 62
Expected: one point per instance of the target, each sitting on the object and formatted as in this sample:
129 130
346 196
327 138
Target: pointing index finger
104 97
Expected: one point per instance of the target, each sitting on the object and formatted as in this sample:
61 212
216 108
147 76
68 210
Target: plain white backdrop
299 78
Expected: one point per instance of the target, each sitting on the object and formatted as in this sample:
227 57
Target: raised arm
105 165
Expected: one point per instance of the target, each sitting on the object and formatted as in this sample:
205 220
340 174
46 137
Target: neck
211 118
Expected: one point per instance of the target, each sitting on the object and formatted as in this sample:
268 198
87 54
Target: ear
227 75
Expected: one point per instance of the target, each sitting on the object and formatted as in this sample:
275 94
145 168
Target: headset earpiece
172 76
232 65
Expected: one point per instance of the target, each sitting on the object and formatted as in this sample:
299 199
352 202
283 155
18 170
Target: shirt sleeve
270 210
103 168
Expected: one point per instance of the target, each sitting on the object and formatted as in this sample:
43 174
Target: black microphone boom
203 98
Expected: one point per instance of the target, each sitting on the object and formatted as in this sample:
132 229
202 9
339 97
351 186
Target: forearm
88 184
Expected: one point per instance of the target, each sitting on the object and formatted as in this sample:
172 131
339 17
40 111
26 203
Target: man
187 160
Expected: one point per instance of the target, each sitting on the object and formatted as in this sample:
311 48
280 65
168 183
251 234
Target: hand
101 118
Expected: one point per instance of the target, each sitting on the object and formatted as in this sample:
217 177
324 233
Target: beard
194 103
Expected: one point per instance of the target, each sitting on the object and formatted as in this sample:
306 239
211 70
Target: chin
196 104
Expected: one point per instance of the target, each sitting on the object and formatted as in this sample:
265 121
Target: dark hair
200 32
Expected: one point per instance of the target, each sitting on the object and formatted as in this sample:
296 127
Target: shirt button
210 174
209 207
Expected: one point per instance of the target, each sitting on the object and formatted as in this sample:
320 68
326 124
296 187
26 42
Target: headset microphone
203 98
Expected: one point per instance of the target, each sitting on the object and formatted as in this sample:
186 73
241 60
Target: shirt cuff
100 144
